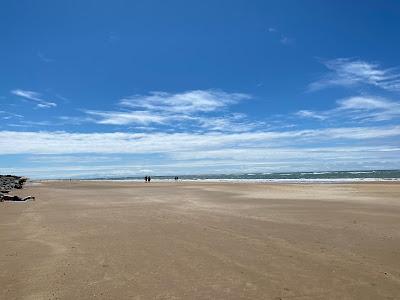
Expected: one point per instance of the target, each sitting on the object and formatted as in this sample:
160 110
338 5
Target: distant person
145 178
148 178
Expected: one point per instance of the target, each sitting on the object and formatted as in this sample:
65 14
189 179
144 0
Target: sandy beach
124 240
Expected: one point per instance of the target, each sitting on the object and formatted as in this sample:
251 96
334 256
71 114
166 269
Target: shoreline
248 181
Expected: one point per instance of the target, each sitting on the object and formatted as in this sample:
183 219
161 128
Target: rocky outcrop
10 182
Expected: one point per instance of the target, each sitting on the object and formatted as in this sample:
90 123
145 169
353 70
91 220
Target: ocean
328 176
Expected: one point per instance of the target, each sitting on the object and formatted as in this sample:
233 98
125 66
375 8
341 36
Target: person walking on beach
148 178
145 178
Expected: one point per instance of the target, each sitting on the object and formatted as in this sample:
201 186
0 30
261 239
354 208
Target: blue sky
115 88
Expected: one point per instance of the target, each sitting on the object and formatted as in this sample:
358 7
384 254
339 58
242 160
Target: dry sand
113 240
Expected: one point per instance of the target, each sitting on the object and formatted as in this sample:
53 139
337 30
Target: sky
132 88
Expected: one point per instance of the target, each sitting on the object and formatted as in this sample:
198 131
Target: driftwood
14 198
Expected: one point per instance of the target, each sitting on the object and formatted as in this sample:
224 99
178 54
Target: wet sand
113 240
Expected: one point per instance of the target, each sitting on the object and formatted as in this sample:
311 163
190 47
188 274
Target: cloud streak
118 142
5 115
349 72
190 108
197 132
123 154
35 97
126 118
188 102
357 108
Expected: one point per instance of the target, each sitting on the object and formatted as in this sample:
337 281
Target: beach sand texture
124 240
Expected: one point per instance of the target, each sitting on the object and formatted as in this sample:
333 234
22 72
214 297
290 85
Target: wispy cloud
174 109
371 108
350 72
118 142
230 123
186 103
5 115
203 152
35 97
358 108
44 58
75 159
284 40
125 118
311 114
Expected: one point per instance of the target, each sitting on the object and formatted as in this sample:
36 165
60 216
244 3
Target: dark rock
10 182
14 198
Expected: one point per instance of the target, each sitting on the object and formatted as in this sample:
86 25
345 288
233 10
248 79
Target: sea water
328 176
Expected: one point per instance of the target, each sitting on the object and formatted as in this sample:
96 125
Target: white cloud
310 114
358 108
188 102
194 110
173 110
72 159
124 118
276 155
368 103
229 123
371 108
34 96
202 153
349 72
6 115
63 142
